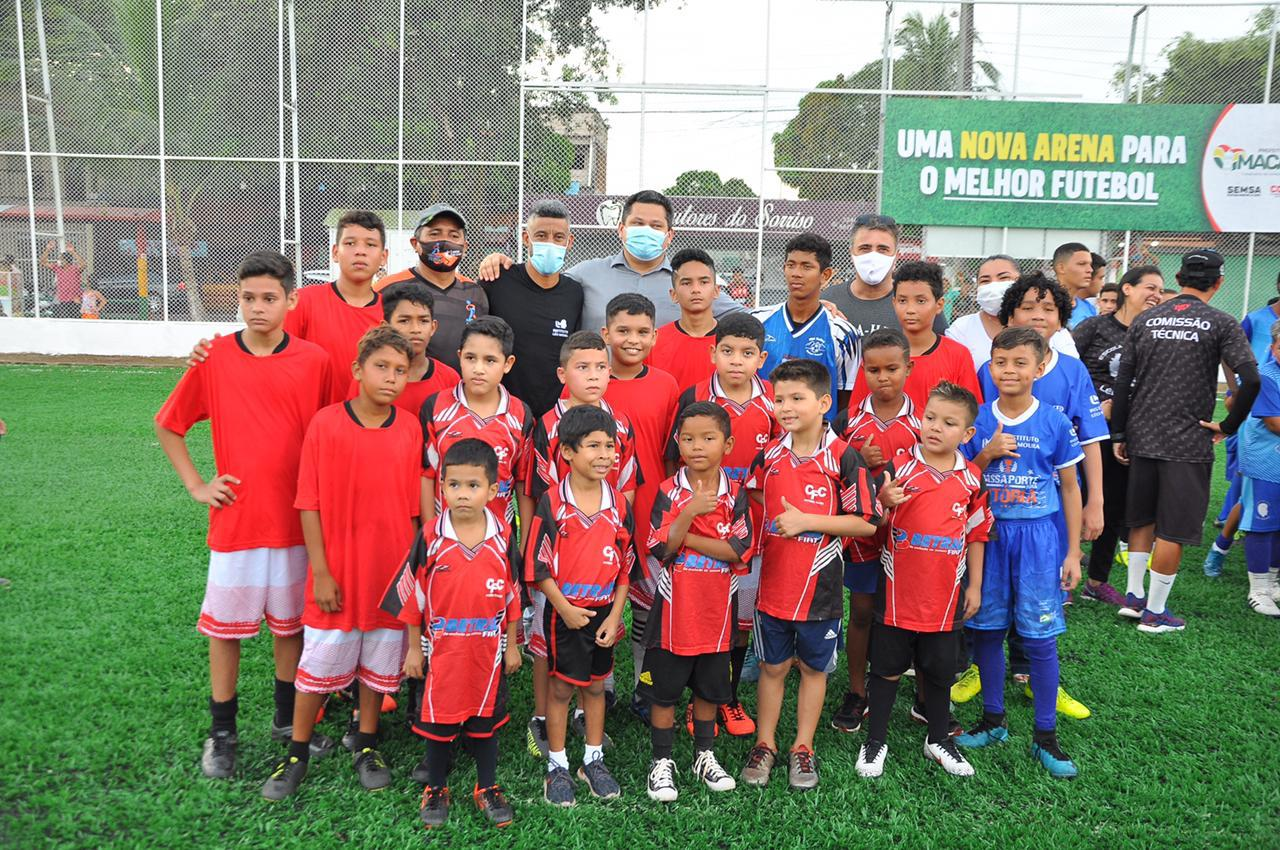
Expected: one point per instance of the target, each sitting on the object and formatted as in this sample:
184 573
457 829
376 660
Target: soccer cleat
372 769
640 708
1068 706
871 759
759 765
320 746
706 768
1133 606
985 734
751 666
388 703
949 756
661 785
285 779
848 718
953 725
736 721
218 761
557 788
968 686
1213 561
1259 601
578 723
492 803
434 810
802 769
1102 592
1155 624
599 780
1053 759
536 738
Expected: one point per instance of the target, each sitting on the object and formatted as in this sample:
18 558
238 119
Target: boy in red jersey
701 540
359 490
409 308
263 382
884 425
918 299
935 537
683 348
738 353
458 595
580 554
481 407
817 491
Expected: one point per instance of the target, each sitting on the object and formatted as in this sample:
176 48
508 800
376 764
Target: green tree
707 184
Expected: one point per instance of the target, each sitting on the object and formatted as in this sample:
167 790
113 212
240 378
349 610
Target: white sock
1161 584
557 758
1259 583
541 717
1124 546
1137 573
592 753
577 712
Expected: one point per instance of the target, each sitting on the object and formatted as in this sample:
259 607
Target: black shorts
1171 494
934 654
572 654
666 675
472 727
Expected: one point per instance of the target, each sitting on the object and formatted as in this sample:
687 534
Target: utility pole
966 46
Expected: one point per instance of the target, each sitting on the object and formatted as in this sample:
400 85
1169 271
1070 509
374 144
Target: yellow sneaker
968 686
1068 705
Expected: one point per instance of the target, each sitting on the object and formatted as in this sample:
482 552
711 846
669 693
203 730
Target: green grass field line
103 689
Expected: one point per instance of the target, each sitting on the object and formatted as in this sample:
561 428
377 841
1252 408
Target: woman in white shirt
976 330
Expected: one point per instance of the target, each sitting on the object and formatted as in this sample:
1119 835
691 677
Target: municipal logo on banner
1240 174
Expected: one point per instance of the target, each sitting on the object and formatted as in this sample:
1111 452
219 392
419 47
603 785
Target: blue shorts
1233 457
861 576
1022 579
1259 506
815 643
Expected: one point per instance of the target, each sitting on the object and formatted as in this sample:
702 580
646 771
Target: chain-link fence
155 146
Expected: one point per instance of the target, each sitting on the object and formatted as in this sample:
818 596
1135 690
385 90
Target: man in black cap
1165 394
440 240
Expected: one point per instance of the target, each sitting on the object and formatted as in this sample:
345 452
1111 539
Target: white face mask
991 294
872 268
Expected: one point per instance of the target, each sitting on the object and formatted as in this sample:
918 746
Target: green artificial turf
103 689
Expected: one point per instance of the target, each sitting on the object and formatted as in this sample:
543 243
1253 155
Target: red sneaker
736 720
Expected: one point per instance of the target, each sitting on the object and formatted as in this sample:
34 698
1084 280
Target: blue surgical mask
546 257
645 243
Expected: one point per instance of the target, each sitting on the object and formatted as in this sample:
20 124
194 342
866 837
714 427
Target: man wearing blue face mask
542 304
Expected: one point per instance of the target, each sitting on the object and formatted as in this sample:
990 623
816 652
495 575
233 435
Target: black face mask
440 255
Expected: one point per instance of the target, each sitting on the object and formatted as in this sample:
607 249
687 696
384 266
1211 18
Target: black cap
434 211
1202 263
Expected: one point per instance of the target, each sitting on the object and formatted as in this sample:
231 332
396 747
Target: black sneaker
557 788
492 803
599 780
321 745
372 769
218 761
285 779
848 718
435 807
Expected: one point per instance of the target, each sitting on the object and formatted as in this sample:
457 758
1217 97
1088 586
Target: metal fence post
164 187
280 105
520 152
31 185
764 153
1266 98
644 84
886 83
400 127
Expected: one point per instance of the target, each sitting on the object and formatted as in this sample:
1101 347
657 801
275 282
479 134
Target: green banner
1057 165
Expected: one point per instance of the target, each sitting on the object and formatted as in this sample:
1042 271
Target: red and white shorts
249 585
536 639
333 659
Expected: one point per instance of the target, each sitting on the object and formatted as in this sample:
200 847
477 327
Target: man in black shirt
542 305
1165 394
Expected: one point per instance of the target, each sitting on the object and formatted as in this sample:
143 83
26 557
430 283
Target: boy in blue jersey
1020 443
800 327
1259 453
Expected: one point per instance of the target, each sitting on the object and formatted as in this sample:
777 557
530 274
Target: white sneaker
662 781
706 768
871 759
1260 594
948 755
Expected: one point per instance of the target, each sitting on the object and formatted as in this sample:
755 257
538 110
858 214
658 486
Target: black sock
301 750
663 741
365 741
737 659
224 715
993 718
1046 736
880 696
439 759
485 753
704 735
285 693
937 708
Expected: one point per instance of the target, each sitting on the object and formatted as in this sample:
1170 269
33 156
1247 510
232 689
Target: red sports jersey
259 409
322 317
685 358
547 467
924 553
462 599
589 557
899 434
802 577
446 419
694 609
366 484
948 360
438 378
